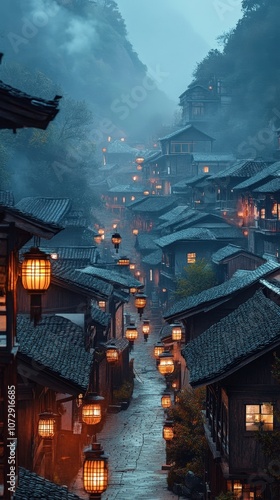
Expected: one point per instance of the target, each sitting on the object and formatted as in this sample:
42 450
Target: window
206 169
151 275
259 417
182 147
197 109
191 258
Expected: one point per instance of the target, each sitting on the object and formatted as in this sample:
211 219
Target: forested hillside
78 49
249 66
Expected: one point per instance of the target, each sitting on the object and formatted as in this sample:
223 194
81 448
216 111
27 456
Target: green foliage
194 279
225 496
124 393
187 449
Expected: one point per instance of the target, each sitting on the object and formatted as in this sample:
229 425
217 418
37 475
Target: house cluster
185 202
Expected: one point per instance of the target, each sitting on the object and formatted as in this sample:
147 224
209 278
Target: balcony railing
271 225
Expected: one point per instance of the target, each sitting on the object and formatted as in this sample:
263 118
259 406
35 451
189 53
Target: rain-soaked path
133 438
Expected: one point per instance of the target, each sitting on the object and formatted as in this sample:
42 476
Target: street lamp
168 432
36 278
131 332
146 329
116 240
140 302
46 424
112 354
158 349
123 261
92 409
95 471
176 332
166 400
166 363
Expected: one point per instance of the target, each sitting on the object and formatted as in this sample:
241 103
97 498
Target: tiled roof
87 254
174 212
56 344
269 187
18 110
241 168
267 171
153 259
145 241
100 317
234 284
187 216
152 204
223 232
192 181
121 147
121 279
225 252
89 283
273 285
184 129
192 233
31 486
6 198
196 219
126 188
213 157
249 330
45 209
120 344
18 214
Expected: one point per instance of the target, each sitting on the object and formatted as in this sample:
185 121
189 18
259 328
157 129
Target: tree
194 279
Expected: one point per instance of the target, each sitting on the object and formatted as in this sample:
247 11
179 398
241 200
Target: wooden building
231 258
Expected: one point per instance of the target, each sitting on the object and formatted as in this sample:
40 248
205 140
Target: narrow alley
132 439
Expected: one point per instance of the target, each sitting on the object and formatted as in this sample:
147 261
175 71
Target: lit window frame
255 417
191 258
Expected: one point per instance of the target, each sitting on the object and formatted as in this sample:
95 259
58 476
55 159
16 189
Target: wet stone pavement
132 438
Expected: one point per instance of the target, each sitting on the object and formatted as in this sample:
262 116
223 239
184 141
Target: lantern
166 400
36 278
46 424
102 304
140 302
95 470
168 432
133 290
131 332
123 261
158 349
112 354
176 332
116 240
92 409
98 239
146 326
135 232
146 192
166 363
139 160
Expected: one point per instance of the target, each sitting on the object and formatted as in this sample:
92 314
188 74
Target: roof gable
189 130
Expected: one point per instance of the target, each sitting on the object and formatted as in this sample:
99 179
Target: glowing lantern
112 354
135 232
92 409
166 363
146 326
36 278
95 470
176 332
140 302
123 261
116 240
168 432
166 400
133 290
158 349
131 332
139 160
102 304
46 424
146 192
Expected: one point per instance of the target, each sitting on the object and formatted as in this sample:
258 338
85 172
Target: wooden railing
272 225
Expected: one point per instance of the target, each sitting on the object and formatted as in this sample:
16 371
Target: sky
171 36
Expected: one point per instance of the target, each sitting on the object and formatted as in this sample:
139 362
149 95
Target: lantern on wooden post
116 240
140 302
36 278
95 471
112 354
46 424
92 409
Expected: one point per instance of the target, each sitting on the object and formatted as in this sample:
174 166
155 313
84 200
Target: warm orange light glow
102 304
116 240
176 332
95 470
131 332
112 354
123 261
166 363
168 432
166 401
135 231
146 326
92 409
158 349
140 302
146 193
46 425
36 271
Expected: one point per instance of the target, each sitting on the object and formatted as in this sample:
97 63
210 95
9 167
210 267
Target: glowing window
206 169
259 417
191 258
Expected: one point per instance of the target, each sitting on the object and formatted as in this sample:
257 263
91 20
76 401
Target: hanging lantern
92 409
176 332
135 232
79 400
133 290
168 432
123 261
131 332
112 354
146 326
131 266
146 192
158 349
166 400
116 240
139 160
166 363
140 302
36 278
98 239
95 470
102 304
46 424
